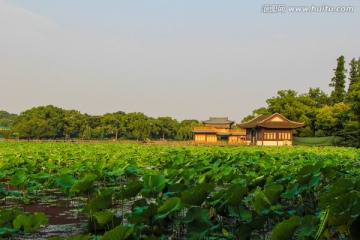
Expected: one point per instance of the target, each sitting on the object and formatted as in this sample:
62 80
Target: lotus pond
138 191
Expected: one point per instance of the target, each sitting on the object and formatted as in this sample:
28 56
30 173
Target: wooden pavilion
217 129
270 130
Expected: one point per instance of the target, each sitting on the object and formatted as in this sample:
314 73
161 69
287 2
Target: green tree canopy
114 123
74 123
330 119
40 122
354 73
166 127
338 82
6 118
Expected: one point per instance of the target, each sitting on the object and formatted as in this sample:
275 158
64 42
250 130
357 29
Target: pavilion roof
275 120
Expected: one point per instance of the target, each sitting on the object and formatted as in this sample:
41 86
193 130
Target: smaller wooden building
270 130
218 129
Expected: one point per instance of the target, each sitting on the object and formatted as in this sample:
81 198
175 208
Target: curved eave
282 125
203 131
247 125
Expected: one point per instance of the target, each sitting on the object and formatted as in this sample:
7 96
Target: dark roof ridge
221 120
255 118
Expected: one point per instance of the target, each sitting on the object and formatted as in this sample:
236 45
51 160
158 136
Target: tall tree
354 73
74 123
138 125
352 126
113 123
351 131
338 82
319 96
166 127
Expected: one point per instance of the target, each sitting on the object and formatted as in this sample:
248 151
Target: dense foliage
5 121
337 114
323 115
6 118
50 122
193 192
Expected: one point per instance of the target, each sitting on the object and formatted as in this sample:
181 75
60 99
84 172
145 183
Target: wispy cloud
14 19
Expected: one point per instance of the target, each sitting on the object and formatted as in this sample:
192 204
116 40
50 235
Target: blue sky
179 58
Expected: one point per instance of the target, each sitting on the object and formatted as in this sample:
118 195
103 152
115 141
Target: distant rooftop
218 120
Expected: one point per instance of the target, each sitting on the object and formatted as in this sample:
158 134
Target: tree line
51 122
337 114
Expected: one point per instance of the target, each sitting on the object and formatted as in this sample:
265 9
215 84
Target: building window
211 138
270 136
284 136
200 137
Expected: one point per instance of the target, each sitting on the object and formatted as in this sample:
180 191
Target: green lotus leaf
235 194
260 201
153 184
177 188
197 195
285 229
104 216
197 222
273 192
240 212
79 237
130 190
243 232
6 172
41 177
344 209
8 231
65 181
84 184
7 216
143 214
340 187
3 192
30 223
169 206
308 227
19 178
101 202
118 233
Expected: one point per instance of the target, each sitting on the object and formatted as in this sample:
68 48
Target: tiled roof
204 131
254 122
261 121
281 125
231 133
218 120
